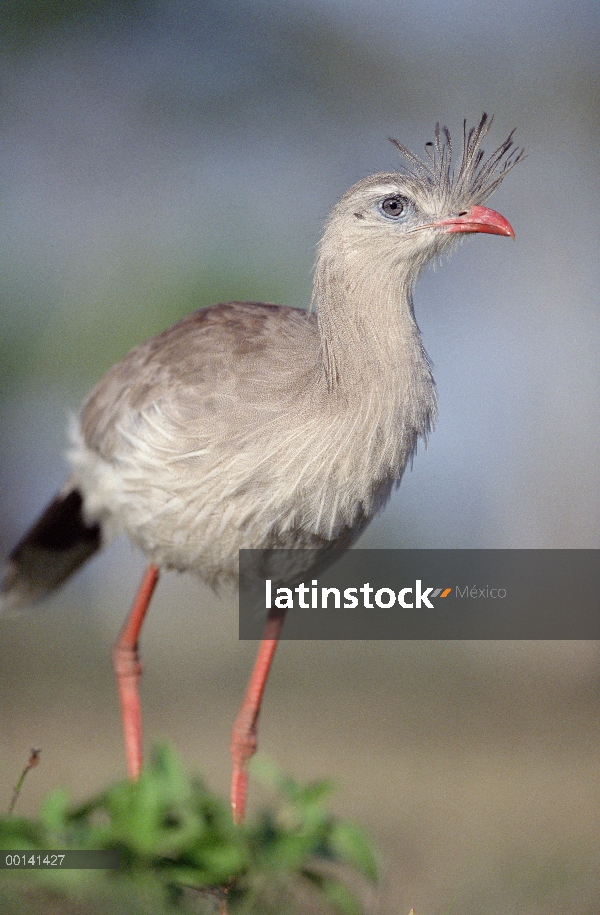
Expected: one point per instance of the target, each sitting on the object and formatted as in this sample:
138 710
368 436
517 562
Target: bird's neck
369 336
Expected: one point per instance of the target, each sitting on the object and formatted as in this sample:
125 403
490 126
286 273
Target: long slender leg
243 736
128 670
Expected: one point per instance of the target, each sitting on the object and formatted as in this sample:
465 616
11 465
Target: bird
248 425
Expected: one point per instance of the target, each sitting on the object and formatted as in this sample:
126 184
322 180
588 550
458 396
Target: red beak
478 219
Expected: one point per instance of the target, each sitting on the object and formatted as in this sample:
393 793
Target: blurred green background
160 156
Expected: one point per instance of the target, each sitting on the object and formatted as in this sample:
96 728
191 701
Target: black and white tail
57 544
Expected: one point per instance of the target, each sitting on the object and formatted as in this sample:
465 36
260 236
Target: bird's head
403 219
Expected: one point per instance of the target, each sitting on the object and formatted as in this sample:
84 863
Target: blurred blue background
160 156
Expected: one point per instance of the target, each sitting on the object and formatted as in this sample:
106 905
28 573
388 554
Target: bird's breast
193 487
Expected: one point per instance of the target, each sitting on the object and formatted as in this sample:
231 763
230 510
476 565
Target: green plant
180 850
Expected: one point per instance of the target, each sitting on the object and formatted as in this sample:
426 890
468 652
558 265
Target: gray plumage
253 425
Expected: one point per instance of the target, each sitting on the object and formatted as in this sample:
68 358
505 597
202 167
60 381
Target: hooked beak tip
478 219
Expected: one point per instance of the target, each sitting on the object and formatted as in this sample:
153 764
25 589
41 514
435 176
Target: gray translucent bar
423 594
108 859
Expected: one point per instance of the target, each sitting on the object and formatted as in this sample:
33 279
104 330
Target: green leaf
350 845
54 814
302 795
339 896
18 833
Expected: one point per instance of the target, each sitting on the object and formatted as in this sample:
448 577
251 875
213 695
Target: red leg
243 736
128 670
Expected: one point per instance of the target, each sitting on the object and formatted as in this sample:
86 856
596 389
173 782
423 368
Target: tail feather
57 544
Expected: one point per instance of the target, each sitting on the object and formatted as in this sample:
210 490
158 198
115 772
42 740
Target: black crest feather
474 179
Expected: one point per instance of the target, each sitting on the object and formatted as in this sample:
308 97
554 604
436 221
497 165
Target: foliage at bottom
180 851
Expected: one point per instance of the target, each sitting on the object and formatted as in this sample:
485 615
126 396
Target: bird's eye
394 207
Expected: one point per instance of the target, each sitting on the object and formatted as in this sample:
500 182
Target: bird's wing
216 362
